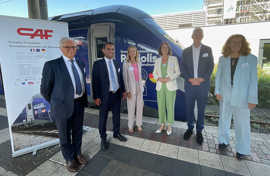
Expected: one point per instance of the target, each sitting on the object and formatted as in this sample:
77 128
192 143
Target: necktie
77 78
112 76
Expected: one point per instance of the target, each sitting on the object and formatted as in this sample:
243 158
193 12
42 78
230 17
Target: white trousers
135 104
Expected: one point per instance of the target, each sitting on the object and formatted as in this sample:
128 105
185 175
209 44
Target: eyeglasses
70 47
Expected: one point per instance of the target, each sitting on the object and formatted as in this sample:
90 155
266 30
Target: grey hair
64 40
197 29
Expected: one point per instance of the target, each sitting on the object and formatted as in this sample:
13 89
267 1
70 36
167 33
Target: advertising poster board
25 45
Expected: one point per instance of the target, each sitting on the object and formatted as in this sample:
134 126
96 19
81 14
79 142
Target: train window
100 41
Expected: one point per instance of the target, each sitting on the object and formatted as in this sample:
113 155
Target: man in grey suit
63 86
196 68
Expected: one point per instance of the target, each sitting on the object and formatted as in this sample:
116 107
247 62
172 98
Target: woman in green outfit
166 70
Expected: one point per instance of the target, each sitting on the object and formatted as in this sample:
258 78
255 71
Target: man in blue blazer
196 67
108 89
63 86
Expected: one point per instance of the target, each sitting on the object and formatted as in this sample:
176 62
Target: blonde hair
169 47
245 49
137 54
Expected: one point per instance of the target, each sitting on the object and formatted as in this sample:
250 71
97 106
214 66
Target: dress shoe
72 166
199 138
81 159
222 146
240 156
120 137
104 145
188 134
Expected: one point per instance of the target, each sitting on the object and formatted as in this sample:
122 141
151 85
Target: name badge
130 68
205 55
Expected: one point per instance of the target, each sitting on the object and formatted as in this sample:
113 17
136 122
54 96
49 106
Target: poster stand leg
35 148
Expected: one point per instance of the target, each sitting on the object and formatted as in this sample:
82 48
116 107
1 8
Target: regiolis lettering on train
146 58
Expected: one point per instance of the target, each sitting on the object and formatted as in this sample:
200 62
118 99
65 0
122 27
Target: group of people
63 85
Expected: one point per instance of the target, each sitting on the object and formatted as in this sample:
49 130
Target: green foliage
263 87
212 96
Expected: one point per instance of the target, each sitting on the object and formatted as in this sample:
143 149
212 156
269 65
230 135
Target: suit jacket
205 65
245 81
101 80
57 88
172 72
129 78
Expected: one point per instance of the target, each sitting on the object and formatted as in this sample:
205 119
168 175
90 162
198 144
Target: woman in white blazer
236 88
166 70
134 88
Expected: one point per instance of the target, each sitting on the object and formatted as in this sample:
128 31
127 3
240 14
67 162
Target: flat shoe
169 132
158 131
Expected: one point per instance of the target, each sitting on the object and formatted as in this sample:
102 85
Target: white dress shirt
114 71
196 55
69 68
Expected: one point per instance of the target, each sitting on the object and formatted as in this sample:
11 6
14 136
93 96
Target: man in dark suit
63 86
196 67
108 89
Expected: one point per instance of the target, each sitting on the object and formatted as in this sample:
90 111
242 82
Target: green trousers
166 101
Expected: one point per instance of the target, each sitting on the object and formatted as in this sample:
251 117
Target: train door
100 34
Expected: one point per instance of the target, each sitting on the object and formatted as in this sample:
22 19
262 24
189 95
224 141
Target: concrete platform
144 153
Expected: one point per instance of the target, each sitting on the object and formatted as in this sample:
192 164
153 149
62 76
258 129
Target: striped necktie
78 84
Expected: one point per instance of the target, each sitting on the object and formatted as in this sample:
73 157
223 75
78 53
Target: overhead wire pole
37 9
43 9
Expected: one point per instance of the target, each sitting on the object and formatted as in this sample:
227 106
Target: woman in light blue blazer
236 88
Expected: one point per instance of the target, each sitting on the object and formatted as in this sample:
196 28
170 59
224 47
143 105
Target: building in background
236 11
216 12
181 20
220 19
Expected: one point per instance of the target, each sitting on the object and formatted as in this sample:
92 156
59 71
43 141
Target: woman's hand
128 95
167 79
164 80
160 80
251 106
218 97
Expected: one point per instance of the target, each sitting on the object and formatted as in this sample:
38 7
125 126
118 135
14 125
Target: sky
58 7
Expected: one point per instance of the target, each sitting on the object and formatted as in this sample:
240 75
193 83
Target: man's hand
251 106
97 101
200 80
124 95
194 81
218 97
